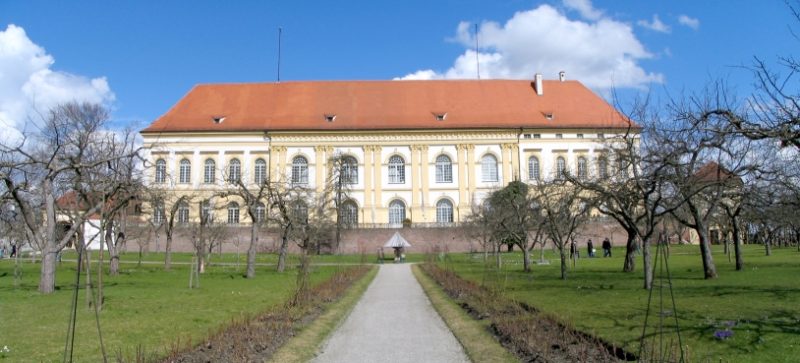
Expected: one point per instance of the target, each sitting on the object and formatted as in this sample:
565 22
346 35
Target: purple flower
723 334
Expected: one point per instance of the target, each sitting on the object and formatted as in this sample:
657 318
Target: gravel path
393 322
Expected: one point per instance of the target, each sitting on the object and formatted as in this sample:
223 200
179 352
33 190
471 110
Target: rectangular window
601 136
526 136
537 136
580 136
559 136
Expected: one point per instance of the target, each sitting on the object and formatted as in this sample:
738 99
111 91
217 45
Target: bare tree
253 192
565 209
313 225
343 174
517 218
70 145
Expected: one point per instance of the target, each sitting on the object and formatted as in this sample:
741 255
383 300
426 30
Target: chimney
538 84
562 76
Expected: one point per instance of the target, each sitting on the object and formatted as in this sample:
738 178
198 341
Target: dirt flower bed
257 339
531 335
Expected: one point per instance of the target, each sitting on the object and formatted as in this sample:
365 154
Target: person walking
606 248
590 247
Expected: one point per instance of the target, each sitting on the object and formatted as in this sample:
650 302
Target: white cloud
689 21
655 25
28 84
585 8
601 54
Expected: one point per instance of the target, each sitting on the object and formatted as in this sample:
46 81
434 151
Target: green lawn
762 303
145 305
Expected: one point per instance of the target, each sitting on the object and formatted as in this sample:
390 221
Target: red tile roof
387 105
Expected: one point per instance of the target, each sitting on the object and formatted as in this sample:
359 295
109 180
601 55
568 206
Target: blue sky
140 57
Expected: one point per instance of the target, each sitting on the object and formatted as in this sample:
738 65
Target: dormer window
440 116
330 117
548 115
218 119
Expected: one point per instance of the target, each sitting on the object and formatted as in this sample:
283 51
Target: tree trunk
47 281
526 259
282 253
630 252
168 251
737 247
563 263
709 269
251 252
767 246
498 257
647 262
113 251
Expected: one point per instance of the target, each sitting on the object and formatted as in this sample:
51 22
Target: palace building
418 151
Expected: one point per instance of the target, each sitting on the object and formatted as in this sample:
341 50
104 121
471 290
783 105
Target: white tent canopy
397 241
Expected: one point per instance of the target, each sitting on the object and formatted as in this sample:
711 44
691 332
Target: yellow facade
471 176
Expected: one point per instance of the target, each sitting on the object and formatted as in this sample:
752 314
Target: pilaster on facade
378 178
472 176
277 161
368 174
320 152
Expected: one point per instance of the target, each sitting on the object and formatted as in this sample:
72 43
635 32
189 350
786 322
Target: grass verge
758 308
303 346
146 309
474 336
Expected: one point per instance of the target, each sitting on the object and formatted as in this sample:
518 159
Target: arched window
533 168
602 168
161 171
444 211
183 213
397 170
582 168
234 171
185 172
489 168
444 169
349 172
300 211
349 214
233 213
261 213
299 170
209 171
397 212
206 214
561 167
260 171
158 212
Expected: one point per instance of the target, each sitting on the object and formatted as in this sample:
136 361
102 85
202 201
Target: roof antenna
280 31
477 60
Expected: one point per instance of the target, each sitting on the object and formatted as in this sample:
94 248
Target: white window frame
397 170
233 213
161 171
209 171
489 168
260 171
534 170
234 171
444 211
185 171
561 167
397 212
444 169
299 170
